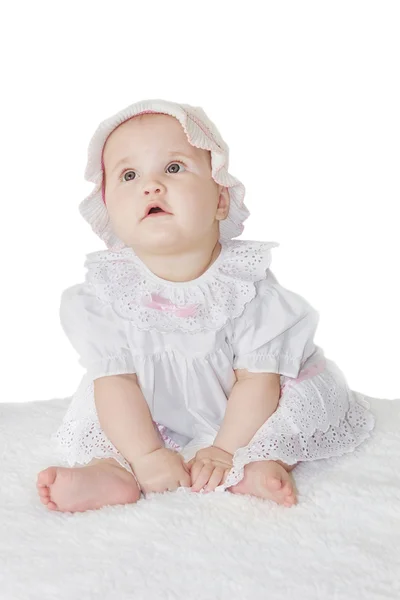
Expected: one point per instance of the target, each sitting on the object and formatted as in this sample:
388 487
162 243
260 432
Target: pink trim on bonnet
102 183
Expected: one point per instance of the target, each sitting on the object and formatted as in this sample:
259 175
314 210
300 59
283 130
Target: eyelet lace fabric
81 437
121 279
320 417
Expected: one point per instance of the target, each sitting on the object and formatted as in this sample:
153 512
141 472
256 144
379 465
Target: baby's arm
127 422
254 398
124 416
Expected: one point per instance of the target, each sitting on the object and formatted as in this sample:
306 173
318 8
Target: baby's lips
155 204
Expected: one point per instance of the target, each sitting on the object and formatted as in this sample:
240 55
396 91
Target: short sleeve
275 333
96 332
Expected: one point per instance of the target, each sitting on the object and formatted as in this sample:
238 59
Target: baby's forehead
158 133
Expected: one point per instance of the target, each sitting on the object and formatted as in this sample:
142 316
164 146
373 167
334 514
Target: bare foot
86 488
267 479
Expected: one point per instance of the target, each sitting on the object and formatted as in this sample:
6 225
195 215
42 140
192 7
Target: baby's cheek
200 212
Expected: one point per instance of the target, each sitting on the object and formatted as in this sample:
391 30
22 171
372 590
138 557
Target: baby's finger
196 470
203 477
190 463
186 467
227 471
215 479
185 481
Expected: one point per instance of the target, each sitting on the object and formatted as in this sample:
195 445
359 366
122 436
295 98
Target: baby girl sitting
200 368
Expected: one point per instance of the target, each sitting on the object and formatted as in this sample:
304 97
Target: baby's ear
223 204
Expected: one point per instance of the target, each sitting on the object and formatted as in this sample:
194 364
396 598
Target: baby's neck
182 266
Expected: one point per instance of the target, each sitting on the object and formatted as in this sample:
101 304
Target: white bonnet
201 133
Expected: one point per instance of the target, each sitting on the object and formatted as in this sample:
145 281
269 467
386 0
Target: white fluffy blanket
342 541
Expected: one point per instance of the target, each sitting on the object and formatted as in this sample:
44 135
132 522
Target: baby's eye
130 178
173 167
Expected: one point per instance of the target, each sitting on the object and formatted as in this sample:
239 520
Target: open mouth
156 211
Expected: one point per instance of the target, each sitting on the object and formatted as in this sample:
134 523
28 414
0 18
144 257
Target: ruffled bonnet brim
201 133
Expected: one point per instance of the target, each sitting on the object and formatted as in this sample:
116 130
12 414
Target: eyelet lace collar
149 302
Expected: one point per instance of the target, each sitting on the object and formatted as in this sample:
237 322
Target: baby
200 369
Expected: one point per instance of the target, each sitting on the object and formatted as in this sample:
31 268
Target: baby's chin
157 242
169 235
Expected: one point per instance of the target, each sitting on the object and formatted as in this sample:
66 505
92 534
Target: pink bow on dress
163 304
314 369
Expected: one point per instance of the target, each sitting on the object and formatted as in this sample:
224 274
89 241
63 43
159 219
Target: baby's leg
268 479
100 483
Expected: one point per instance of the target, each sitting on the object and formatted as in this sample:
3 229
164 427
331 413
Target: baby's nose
152 189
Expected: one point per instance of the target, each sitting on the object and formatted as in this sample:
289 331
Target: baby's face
160 165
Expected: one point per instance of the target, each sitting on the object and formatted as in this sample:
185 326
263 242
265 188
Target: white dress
184 340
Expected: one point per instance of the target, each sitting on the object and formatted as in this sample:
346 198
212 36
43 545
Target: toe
290 497
47 477
287 489
290 500
44 492
49 503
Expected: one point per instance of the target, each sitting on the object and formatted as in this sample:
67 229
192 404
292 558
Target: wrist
138 458
223 447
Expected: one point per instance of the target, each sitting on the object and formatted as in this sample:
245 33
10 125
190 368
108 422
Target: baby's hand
160 471
209 468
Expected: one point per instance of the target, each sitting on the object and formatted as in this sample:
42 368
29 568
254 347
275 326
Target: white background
307 96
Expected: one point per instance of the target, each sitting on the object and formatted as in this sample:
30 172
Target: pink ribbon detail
166 438
159 303
307 373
